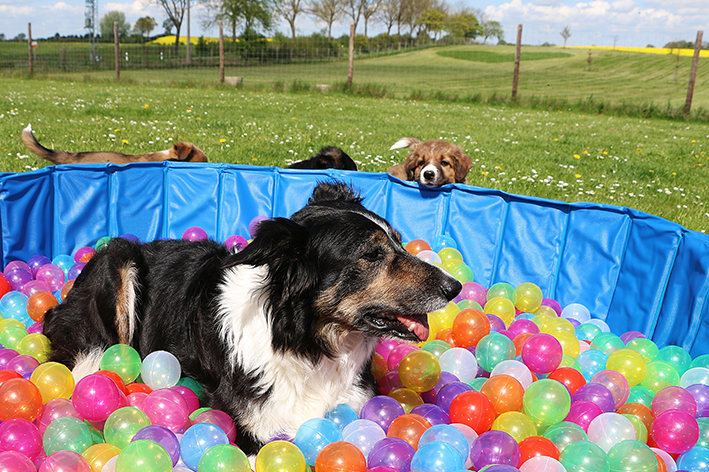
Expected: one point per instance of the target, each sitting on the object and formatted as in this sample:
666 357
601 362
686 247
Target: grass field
658 166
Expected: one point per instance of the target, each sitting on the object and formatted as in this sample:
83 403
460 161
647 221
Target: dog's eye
445 163
421 163
373 255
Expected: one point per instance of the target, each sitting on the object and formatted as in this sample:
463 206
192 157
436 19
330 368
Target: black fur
329 157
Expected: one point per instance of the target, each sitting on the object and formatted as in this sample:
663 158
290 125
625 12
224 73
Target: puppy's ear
405 143
334 191
463 163
183 151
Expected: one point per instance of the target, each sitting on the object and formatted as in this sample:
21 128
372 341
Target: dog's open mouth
410 327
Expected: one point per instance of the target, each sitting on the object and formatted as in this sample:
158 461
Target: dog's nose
450 287
429 175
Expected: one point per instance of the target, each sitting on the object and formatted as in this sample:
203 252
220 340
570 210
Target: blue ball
14 305
342 415
439 242
197 440
696 460
447 434
592 362
314 435
437 456
64 261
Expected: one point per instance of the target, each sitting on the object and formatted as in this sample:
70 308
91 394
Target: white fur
403 143
28 128
86 363
427 168
299 389
129 280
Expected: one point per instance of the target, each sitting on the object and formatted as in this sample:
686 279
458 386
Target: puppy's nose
429 175
450 287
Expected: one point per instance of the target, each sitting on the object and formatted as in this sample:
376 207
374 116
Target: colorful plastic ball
64 262
35 345
609 429
433 413
364 434
65 289
632 456
616 383
14 305
448 392
420 371
417 245
391 452
565 433
640 394
516 424
382 410
6 355
693 376
505 392
97 455
598 394
459 362
495 447
659 375
675 431
64 461
673 398
66 433
516 369
23 364
450 256
340 456
144 456
408 427
570 377
577 312
493 349
592 362
17 278
429 256
677 357
220 419
11 334
462 272
607 343
160 369
534 446
502 290
436 347
447 434
582 413
124 360
236 243
96 397
279 456
11 461
700 393
123 424
547 402
194 233
222 458
442 241
52 275
38 303
408 398
21 436
473 291
197 440
542 353
694 460
587 331
584 456
529 297
83 251
389 383
162 436
542 464
629 363
473 409
313 435
398 354
502 307
19 398
254 224
437 456
469 327
645 347
166 407
54 380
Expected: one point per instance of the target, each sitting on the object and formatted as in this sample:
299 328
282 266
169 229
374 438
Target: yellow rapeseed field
664 51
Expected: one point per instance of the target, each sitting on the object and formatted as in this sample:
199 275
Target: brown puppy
433 163
186 152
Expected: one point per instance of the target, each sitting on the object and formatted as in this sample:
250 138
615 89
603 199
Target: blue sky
635 23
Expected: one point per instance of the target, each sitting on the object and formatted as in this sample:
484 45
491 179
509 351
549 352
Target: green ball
436 347
196 413
477 383
66 434
676 357
659 375
144 456
465 304
645 347
462 272
122 360
564 434
547 402
640 394
632 456
587 332
700 361
102 243
193 385
122 424
493 349
504 290
11 336
607 343
224 458
584 456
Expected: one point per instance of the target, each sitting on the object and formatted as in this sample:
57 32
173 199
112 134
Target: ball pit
529 387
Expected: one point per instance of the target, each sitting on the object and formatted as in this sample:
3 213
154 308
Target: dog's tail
56 157
404 143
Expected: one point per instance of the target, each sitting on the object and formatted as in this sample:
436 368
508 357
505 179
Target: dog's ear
188 152
463 163
405 143
335 191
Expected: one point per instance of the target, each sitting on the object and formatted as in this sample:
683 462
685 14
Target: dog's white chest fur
299 389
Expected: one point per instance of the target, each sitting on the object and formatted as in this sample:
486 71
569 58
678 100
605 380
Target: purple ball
553 304
501 468
238 242
17 265
630 335
382 410
495 447
34 286
391 452
17 278
433 413
194 233
35 262
22 364
253 225
162 436
496 323
700 392
596 393
449 392
6 355
75 270
82 251
429 396
35 328
52 275
130 237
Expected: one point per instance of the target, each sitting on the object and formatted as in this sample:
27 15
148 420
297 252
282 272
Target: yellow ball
630 363
98 454
501 307
450 256
443 318
53 380
407 397
546 311
569 342
529 297
35 345
278 456
516 424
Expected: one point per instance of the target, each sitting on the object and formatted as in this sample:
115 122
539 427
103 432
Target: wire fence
392 66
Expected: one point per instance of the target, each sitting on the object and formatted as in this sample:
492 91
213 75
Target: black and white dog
278 333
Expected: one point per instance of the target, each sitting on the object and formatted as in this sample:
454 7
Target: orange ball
379 366
65 289
572 378
409 427
39 303
469 327
6 375
447 336
116 379
505 392
87 257
20 398
535 446
519 341
472 409
642 412
137 387
340 456
417 245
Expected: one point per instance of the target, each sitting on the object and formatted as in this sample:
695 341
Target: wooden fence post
518 53
29 45
693 73
221 52
350 69
188 59
117 49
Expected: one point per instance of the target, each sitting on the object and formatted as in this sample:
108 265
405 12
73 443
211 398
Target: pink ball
21 436
137 399
221 419
190 397
34 286
673 398
52 275
522 326
56 408
385 346
582 413
194 233
236 242
396 356
11 461
95 397
474 291
253 224
675 431
616 383
542 353
64 461
166 407
81 252
553 304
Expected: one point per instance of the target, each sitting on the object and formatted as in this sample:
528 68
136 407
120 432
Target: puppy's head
329 157
434 163
187 152
340 268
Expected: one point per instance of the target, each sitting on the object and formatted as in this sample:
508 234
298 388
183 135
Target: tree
354 8
369 9
106 25
144 26
175 10
167 26
20 37
492 29
432 21
289 10
566 34
327 11
2 36
248 15
390 14
463 25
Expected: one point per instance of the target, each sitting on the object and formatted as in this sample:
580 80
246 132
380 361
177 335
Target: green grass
658 166
490 56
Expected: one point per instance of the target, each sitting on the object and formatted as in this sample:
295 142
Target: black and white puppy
329 157
278 333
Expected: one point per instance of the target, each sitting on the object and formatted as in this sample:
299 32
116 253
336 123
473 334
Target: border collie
278 333
433 163
329 157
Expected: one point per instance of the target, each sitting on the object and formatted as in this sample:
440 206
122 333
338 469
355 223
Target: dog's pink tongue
419 329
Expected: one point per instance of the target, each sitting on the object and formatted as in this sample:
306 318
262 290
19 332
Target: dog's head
187 152
433 163
336 268
329 157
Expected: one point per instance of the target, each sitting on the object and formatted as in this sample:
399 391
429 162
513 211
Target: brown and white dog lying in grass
433 163
183 152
